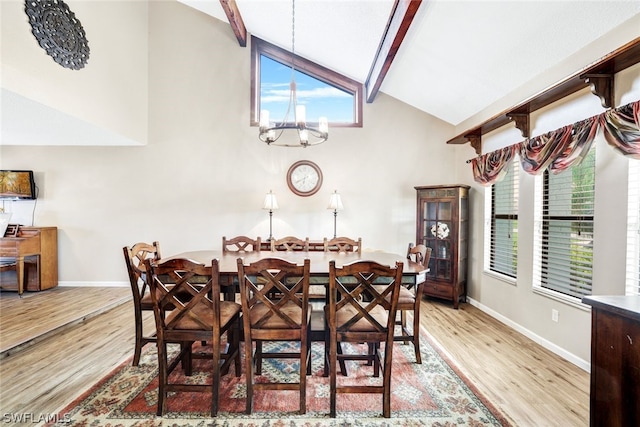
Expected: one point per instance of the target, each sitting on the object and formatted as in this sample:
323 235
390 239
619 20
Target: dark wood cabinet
615 360
443 225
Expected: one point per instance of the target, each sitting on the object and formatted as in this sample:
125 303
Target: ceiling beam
235 19
397 27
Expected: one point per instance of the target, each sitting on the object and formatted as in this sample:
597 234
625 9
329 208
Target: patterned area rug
434 393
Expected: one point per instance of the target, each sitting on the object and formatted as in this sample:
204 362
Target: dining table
412 273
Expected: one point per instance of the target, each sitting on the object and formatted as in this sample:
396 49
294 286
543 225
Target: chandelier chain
307 135
293 36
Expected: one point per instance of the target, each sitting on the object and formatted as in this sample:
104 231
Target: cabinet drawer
439 290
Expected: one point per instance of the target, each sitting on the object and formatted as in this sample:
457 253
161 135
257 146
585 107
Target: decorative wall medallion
58 31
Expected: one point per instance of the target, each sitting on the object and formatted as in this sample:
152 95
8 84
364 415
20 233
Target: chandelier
302 134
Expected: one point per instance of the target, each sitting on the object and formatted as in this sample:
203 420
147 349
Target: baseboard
581 363
70 284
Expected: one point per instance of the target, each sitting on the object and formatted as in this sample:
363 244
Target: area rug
433 393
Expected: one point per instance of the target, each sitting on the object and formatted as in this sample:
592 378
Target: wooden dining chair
289 244
410 299
316 246
241 244
343 244
275 307
134 258
192 293
363 297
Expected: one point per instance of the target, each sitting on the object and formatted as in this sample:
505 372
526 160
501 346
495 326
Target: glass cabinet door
437 226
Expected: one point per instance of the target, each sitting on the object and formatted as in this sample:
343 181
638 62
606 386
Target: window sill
503 278
557 296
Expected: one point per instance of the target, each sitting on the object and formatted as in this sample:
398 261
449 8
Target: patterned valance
560 149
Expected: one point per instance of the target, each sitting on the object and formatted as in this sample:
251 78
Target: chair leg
308 357
343 365
386 374
416 336
162 378
235 340
258 357
333 373
138 345
215 383
403 327
187 365
375 350
249 373
303 375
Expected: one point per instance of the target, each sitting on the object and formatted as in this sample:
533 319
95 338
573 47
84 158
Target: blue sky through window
319 98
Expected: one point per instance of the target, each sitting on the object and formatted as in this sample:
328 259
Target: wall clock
304 178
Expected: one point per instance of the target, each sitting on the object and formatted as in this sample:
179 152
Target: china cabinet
443 225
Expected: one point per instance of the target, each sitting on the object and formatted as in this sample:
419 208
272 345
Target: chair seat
204 313
146 302
345 314
290 309
406 296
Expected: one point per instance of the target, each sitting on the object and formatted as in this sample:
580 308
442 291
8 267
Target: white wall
203 173
175 82
41 98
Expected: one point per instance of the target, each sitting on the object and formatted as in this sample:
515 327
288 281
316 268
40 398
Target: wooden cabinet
37 248
615 360
443 225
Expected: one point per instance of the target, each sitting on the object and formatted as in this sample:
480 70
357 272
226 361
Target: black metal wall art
58 31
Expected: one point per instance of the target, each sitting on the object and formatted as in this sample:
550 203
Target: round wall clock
304 178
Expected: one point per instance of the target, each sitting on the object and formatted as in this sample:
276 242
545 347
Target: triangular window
322 91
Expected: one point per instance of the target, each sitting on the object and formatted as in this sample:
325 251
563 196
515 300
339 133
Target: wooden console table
39 243
615 360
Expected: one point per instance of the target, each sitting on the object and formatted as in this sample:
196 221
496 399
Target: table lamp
270 203
335 203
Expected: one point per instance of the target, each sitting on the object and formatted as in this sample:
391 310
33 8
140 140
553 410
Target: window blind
633 230
503 245
566 252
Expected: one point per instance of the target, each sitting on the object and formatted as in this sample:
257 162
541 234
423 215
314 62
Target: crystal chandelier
302 134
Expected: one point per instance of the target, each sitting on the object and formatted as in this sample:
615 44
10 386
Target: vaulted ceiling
458 58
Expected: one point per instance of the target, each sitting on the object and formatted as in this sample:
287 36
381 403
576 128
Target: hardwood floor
530 385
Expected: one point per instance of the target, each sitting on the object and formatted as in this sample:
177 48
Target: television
17 185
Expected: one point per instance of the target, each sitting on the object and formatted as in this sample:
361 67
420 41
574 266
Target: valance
622 129
562 148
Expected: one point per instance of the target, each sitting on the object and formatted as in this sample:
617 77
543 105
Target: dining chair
134 258
343 244
192 293
290 243
363 297
275 308
316 246
410 299
241 244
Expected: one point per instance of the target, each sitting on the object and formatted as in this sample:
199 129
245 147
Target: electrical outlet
554 315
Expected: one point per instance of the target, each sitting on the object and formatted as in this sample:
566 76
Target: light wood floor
530 385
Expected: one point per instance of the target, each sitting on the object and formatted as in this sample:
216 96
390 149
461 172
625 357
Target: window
633 230
322 91
502 230
564 219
